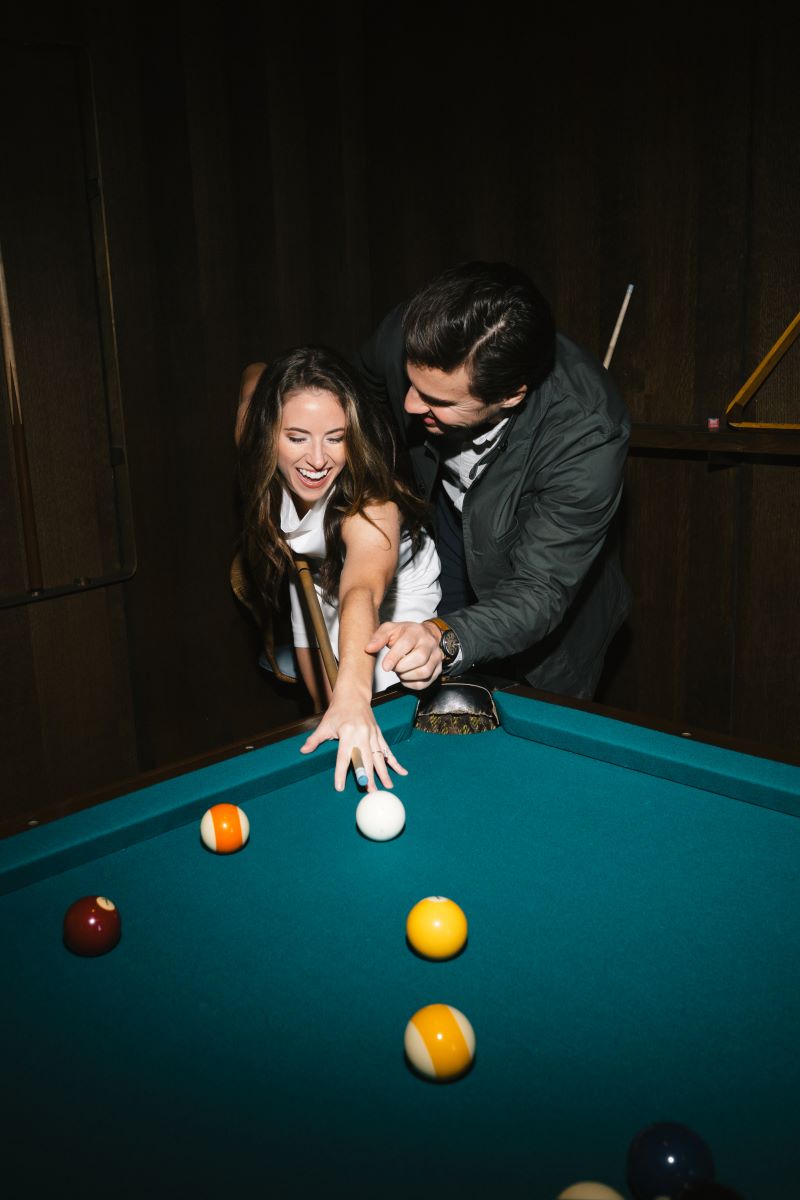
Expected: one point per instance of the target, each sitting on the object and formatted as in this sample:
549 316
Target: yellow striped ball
440 1042
589 1191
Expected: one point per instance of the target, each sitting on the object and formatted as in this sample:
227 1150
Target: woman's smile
311 445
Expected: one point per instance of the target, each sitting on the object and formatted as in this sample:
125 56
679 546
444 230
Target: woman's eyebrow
297 429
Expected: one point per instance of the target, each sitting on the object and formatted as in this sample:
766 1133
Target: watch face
449 644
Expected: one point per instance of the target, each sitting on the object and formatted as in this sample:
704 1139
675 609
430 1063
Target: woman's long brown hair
370 475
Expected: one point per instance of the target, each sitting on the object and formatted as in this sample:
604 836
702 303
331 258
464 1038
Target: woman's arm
250 377
371 557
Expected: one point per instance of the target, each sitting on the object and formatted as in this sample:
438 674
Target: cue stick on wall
768 362
29 534
612 344
326 650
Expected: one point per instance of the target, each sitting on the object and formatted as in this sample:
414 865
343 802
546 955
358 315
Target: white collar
291 521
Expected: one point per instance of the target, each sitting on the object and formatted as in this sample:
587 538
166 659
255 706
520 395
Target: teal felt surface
745 777
151 811
633 956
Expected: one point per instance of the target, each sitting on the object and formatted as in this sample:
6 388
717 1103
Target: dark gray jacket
536 522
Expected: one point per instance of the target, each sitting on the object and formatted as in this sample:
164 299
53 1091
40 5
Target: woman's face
311 448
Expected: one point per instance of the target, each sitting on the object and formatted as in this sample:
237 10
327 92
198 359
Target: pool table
633 955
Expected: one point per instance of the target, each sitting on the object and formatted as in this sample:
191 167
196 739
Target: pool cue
29 534
325 648
768 362
612 344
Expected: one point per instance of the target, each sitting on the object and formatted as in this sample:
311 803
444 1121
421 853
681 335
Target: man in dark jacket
519 438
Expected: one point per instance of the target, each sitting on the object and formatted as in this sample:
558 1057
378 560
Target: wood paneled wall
274 176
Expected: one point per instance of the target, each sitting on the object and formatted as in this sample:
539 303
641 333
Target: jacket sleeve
558 528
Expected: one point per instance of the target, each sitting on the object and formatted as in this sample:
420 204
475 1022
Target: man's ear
517 398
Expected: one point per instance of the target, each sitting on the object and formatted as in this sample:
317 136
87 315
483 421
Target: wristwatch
449 644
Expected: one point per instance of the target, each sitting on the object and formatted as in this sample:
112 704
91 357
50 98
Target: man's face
444 402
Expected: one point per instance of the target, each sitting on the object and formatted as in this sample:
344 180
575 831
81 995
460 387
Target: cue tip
359 769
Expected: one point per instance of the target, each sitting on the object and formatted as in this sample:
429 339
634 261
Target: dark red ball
92 926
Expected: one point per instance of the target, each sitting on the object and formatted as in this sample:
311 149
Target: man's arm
562 527
562 530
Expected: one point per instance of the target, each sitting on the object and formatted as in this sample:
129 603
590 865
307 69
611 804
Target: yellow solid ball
436 927
589 1191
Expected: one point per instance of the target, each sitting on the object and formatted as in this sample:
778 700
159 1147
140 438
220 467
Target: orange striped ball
224 828
440 1042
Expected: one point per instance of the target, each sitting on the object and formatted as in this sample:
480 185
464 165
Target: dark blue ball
664 1158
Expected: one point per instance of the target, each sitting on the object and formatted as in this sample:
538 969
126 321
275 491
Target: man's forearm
521 611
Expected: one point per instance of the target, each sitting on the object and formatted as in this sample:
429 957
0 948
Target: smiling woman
318 476
311 449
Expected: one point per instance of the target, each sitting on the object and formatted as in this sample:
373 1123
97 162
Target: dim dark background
233 179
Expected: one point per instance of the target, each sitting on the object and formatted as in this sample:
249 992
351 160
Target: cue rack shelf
698 439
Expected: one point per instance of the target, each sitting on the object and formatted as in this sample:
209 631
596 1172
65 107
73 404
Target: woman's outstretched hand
350 720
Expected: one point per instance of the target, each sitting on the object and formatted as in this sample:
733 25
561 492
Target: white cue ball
380 816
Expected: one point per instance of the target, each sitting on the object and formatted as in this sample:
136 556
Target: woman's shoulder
382 517
379 510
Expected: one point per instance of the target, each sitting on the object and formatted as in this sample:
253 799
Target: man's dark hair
491 318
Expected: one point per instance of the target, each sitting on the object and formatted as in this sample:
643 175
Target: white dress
414 594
